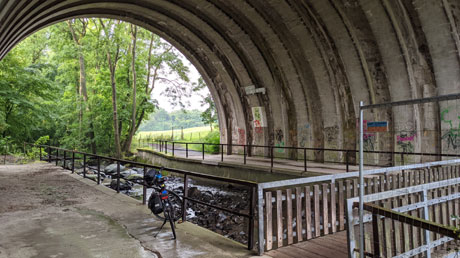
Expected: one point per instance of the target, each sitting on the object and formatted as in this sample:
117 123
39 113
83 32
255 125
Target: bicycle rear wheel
173 205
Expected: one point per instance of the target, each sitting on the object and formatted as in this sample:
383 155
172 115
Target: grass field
190 134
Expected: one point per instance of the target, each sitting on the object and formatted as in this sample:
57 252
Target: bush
212 137
34 152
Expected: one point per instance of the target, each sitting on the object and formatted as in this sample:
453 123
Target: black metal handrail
163 147
251 185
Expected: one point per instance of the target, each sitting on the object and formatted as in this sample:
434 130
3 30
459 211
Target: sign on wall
258 113
381 126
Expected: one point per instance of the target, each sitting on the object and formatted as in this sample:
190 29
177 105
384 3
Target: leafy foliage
59 82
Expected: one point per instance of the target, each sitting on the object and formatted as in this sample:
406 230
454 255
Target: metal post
375 231
202 149
244 153
57 156
346 160
49 154
361 182
84 165
402 159
118 176
65 157
98 170
271 156
426 216
186 150
260 212
144 187
40 153
222 153
184 202
173 149
305 159
251 218
73 162
166 147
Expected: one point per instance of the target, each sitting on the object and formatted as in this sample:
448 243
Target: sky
195 98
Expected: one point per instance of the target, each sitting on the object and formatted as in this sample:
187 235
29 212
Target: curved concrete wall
309 62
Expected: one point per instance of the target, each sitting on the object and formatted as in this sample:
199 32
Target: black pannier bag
155 204
150 176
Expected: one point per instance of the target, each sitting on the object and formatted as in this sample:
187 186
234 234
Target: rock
193 191
112 169
135 177
92 177
124 185
221 217
127 173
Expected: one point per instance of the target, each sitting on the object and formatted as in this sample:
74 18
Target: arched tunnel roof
288 72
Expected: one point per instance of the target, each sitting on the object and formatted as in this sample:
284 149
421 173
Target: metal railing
57 154
420 192
330 180
349 155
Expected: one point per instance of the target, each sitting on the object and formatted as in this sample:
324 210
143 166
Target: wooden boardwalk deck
333 246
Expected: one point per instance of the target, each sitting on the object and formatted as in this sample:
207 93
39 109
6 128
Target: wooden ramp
334 246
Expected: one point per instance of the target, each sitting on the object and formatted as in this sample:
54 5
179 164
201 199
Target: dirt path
46 212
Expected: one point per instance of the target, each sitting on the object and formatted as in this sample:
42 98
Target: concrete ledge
248 172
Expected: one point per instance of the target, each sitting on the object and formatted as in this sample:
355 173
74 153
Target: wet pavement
47 212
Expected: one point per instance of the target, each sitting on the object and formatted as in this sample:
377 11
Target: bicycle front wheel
172 206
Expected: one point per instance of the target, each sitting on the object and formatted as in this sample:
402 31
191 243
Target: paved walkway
282 164
47 212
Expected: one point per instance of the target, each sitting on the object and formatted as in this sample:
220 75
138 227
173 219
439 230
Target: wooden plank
382 183
290 237
444 216
341 206
333 209
450 208
348 189
437 211
406 237
278 254
387 183
298 209
308 212
269 225
376 185
355 187
388 229
367 184
396 236
395 181
316 210
321 249
279 218
325 210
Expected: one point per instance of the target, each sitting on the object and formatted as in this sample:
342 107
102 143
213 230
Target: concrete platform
47 212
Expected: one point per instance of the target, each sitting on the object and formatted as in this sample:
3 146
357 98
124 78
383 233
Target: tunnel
291 73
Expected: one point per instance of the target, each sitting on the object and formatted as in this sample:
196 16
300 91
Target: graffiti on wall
405 141
258 113
279 139
331 134
369 138
241 136
451 137
303 135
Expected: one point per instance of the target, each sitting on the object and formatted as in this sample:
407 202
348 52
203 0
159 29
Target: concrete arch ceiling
309 61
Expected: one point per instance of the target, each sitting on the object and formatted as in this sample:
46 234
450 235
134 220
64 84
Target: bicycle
165 204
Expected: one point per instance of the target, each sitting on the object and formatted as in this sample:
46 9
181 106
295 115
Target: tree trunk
112 67
115 113
132 128
82 89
